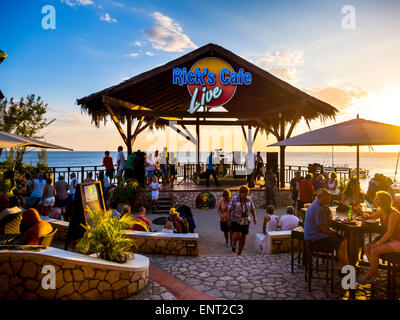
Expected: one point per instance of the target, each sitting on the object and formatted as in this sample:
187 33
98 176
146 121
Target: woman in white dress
333 184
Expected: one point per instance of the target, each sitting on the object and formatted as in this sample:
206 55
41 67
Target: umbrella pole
358 170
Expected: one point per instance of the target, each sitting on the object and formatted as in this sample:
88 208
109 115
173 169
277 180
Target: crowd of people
143 167
234 215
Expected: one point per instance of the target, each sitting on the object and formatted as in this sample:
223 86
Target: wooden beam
255 133
116 122
136 130
244 133
122 104
148 123
187 132
217 123
187 137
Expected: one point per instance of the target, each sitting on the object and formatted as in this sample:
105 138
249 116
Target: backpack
186 212
184 224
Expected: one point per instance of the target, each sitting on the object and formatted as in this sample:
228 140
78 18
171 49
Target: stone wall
78 277
282 197
166 243
148 242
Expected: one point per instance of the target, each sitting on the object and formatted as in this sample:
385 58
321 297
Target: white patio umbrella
9 140
357 132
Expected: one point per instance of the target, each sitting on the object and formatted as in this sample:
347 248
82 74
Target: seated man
144 224
316 227
288 221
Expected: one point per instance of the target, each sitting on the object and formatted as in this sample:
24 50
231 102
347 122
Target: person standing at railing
61 194
72 186
120 162
164 165
37 191
333 185
108 163
250 168
210 170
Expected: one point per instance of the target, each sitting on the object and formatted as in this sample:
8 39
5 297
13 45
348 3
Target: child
155 187
114 209
270 223
288 221
168 227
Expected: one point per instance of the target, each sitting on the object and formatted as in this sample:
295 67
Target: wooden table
353 232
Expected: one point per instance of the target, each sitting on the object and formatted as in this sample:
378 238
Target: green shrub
106 237
127 191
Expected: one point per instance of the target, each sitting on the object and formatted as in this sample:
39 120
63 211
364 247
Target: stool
297 234
313 248
393 263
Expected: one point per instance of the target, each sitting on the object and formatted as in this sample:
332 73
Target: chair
392 260
10 224
48 239
311 249
297 234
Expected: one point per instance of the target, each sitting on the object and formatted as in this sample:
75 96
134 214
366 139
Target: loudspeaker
272 161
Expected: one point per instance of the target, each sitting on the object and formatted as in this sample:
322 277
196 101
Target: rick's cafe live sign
211 82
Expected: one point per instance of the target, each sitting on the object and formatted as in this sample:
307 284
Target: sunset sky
99 43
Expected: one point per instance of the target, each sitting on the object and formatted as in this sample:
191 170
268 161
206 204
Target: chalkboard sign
87 194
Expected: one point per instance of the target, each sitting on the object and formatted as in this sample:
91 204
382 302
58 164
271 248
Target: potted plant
105 237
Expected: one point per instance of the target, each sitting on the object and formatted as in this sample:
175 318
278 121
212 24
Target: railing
186 170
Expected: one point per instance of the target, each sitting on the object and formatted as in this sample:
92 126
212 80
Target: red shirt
138 227
108 163
306 190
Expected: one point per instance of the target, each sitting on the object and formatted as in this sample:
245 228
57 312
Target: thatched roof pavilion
269 104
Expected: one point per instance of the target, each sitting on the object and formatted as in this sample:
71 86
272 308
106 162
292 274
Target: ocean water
382 162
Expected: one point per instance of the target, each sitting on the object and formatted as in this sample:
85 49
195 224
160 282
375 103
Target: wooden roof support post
198 147
117 124
282 152
129 134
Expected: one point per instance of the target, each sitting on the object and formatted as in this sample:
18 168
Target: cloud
134 9
73 3
149 53
137 43
342 98
167 35
132 55
282 64
107 18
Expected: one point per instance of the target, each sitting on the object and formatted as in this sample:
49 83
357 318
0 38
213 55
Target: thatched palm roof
154 89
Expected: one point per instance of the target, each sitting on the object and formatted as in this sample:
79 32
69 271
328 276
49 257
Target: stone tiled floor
244 277
153 292
250 276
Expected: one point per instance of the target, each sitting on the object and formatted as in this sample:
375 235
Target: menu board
92 196
87 195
